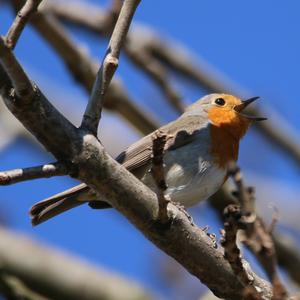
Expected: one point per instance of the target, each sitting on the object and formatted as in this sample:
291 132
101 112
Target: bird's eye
220 101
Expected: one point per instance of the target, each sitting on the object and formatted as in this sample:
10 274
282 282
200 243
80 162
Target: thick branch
22 85
59 276
189 245
109 65
38 115
23 16
44 171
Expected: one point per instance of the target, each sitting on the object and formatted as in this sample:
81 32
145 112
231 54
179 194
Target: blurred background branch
55 275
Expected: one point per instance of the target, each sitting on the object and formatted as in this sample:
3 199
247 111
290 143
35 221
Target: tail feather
59 203
49 211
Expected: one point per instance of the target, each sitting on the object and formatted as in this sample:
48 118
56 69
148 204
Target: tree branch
84 71
286 250
184 63
14 289
288 255
232 253
158 173
134 48
34 113
22 85
108 67
59 276
23 16
186 243
257 237
44 171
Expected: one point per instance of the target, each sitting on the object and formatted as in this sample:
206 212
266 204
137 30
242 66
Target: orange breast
226 131
224 147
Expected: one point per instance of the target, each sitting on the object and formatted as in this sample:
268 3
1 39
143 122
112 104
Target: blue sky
254 43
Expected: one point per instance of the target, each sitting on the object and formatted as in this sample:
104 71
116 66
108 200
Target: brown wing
139 153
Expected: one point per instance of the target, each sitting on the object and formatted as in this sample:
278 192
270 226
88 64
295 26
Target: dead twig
157 170
243 194
22 18
108 67
43 171
286 250
233 223
257 237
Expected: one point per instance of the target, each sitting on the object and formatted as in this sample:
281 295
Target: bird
201 143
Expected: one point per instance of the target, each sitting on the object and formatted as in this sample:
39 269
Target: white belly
196 188
190 179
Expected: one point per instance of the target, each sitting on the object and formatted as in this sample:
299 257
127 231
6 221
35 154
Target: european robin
201 143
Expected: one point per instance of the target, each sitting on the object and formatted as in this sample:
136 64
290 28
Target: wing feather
139 153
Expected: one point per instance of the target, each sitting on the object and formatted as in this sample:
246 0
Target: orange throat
226 131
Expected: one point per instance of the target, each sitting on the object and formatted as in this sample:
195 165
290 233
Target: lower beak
239 108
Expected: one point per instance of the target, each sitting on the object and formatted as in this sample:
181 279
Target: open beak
239 108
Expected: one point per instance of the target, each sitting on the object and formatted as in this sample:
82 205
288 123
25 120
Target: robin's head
226 111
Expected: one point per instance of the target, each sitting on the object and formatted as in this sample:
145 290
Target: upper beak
239 108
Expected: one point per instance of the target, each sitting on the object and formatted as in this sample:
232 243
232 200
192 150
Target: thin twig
22 18
232 214
157 170
243 194
286 249
84 71
43 171
22 85
135 48
257 236
108 67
